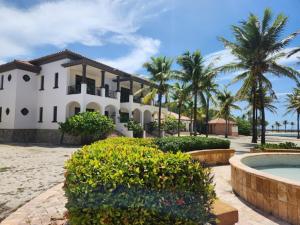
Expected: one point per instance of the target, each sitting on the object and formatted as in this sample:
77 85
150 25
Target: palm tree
179 95
209 87
294 106
277 124
285 123
258 48
160 71
226 104
272 128
292 126
195 73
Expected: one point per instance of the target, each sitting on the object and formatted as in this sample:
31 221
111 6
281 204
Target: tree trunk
195 112
226 127
191 126
262 106
159 113
179 116
207 114
254 127
298 128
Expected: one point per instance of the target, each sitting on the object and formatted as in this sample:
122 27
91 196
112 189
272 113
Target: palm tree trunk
179 116
298 128
207 112
195 112
254 127
191 127
159 113
226 127
262 105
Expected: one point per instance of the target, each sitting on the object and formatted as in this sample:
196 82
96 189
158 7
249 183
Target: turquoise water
289 172
282 134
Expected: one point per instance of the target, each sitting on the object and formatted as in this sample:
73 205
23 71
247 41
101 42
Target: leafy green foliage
170 125
125 181
135 127
284 145
88 124
190 143
244 126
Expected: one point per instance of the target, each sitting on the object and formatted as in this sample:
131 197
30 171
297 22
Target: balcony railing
74 89
137 99
111 94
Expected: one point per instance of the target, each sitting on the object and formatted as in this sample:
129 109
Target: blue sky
127 33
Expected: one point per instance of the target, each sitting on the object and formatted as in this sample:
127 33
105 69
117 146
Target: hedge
284 145
117 181
190 143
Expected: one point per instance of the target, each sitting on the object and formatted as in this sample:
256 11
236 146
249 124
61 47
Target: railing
98 91
111 94
137 99
74 89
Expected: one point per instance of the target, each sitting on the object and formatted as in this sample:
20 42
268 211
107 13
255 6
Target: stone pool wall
273 195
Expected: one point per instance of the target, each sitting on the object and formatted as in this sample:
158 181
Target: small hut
217 126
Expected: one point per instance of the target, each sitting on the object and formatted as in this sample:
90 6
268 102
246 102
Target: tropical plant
293 106
180 93
160 71
135 127
226 102
194 72
258 48
272 128
171 125
278 125
292 126
244 126
285 123
89 126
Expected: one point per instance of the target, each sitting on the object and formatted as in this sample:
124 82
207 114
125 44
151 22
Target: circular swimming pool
269 181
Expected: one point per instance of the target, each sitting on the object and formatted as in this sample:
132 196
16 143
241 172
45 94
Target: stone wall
36 136
213 156
276 197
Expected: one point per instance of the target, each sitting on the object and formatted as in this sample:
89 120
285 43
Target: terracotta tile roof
220 121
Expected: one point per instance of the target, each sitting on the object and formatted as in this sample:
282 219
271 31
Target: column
102 83
83 81
118 89
131 91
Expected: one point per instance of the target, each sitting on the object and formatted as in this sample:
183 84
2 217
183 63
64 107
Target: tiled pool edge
277 196
213 156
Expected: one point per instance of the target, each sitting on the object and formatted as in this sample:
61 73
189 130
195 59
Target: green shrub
145 142
136 128
244 126
89 125
190 143
284 145
110 182
170 125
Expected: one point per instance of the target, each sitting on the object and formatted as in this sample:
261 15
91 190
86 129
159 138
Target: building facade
35 95
218 127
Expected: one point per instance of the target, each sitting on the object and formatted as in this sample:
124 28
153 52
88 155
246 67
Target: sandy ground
27 171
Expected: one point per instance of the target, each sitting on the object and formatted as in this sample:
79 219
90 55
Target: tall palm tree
226 104
292 126
258 48
210 87
194 72
272 128
293 106
180 93
277 124
285 123
160 71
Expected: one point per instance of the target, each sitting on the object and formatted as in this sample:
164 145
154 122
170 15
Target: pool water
289 172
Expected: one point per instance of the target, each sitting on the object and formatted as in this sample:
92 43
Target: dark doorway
125 92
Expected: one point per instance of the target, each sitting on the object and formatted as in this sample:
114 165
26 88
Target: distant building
217 126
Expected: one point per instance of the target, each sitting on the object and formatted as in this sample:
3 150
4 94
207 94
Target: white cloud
132 62
89 22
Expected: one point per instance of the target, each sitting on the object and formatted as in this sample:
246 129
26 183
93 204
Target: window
54 114
24 111
9 77
42 83
41 115
26 78
0 114
2 81
56 80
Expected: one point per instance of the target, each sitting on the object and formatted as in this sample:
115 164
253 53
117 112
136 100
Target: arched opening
136 115
93 107
147 117
72 109
111 112
124 115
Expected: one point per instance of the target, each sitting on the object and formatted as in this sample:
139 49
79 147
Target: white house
35 95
